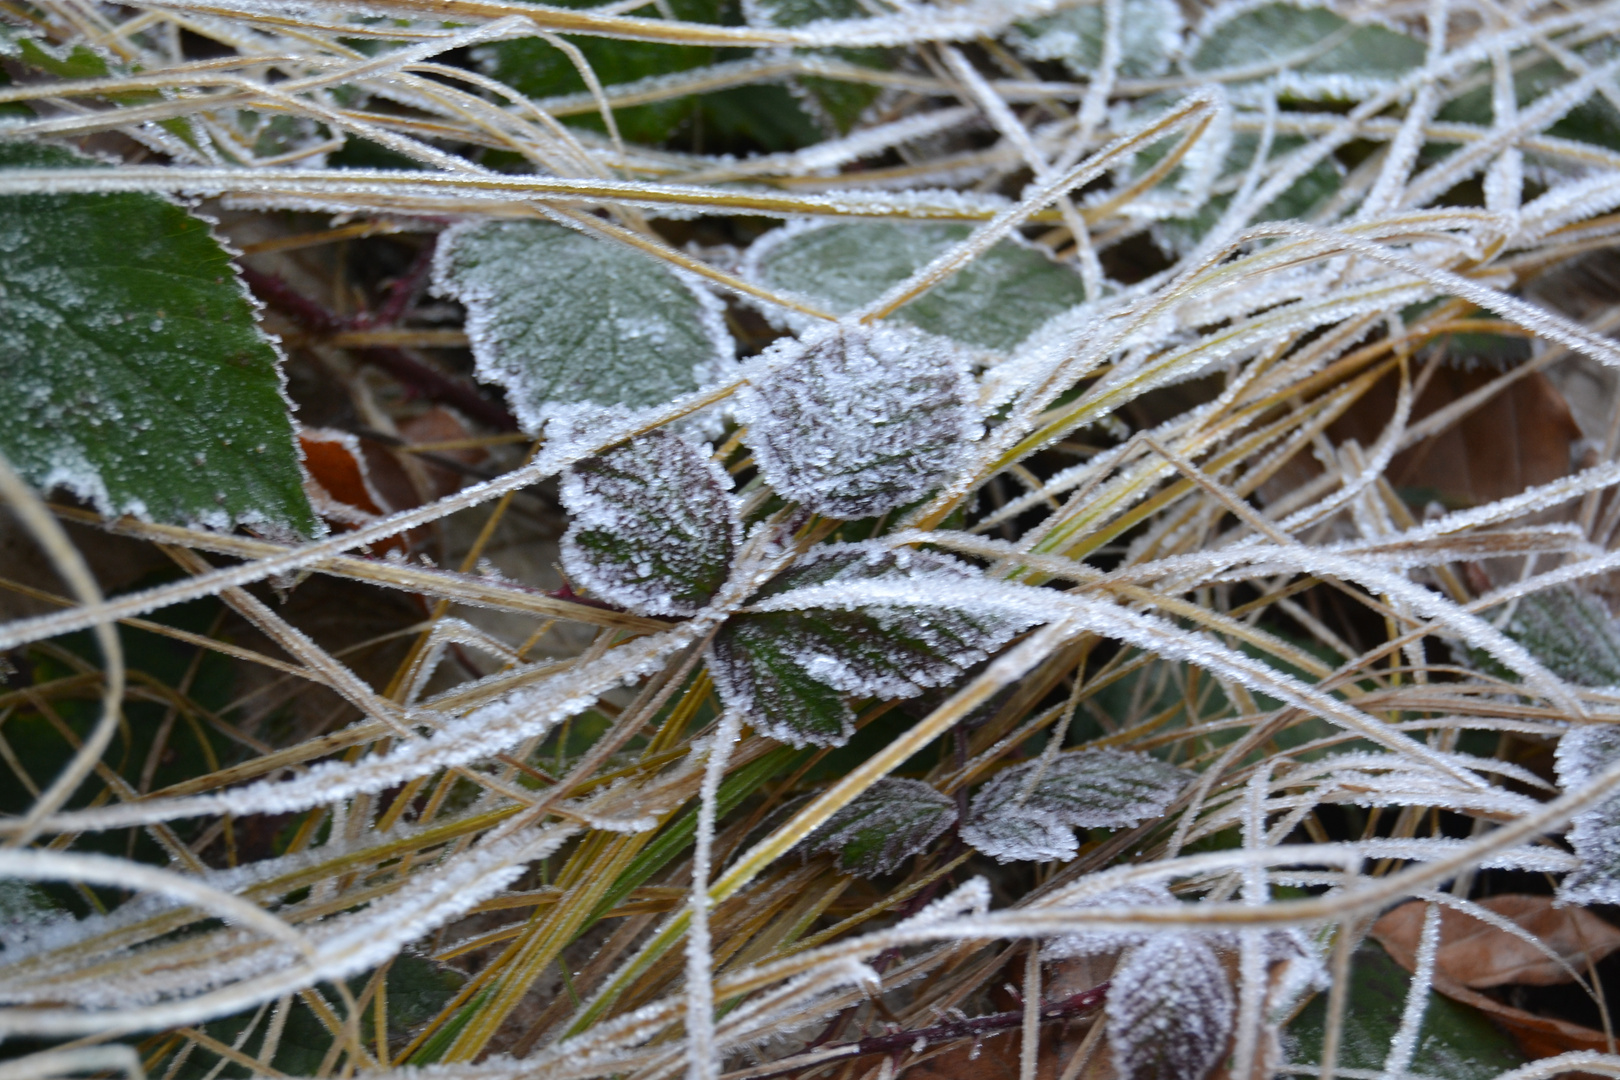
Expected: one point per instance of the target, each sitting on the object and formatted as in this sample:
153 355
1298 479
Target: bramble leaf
1169 1010
851 421
1583 753
1571 633
559 317
1150 30
134 368
994 303
1320 50
886 825
788 672
1093 789
654 527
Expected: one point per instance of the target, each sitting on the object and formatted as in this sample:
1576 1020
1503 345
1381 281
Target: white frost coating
1102 942
487 730
1150 33
851 421
654 527
1169 1010
1583 754
556 316
888 823
1093 789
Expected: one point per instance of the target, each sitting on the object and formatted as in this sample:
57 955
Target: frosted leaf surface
994 303
132 364
1307 41
1169 1010
1149 32
789 672
1102 942
800 12
890 822
1570 632
851 421
559 317
1094 789
1583 753
654 527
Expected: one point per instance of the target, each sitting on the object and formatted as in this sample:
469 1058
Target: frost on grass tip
1584 753
792 672
886 824
851 421
654 526
556 317
1169 1010
1012 820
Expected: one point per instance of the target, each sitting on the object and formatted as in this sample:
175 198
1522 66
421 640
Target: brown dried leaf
1477 955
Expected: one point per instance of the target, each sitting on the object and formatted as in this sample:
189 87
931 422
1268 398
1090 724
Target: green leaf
1092 789
836 103
1310 193
1307 41
559 317
883 827
789 672
135 371
654 527
1585 752
1169 1010
1150 30
852 421
994 303
1456 1042
1594 120
1571 633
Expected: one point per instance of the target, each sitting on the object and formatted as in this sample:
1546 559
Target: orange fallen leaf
1475 954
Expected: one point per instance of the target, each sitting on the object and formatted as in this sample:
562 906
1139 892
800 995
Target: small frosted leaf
132 364
1571 633
1094 789
890 822
789 672
1294 38
994 303
559 317
654 527
1169 1010
1149 32
1583 753
1102 942
851 421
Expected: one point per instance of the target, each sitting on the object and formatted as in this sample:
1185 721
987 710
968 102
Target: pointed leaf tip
654 527
1094 789
851 421
884 826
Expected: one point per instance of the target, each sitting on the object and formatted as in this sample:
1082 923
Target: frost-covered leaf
559 317
654 527
1583 753
25 910
994 303
1594 120
789 672
1102 942
1456 1042
1149 32
1571 633
890 822
1312 42
134 371
851 421
1169 1010
1093 789
1310 193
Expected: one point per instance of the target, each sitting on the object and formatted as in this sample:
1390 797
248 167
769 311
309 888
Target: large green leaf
887 824
995 303
654 528
1030 812
1150 30
789 672
559 317
1594 120
1309 42
133 366
1455 1042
